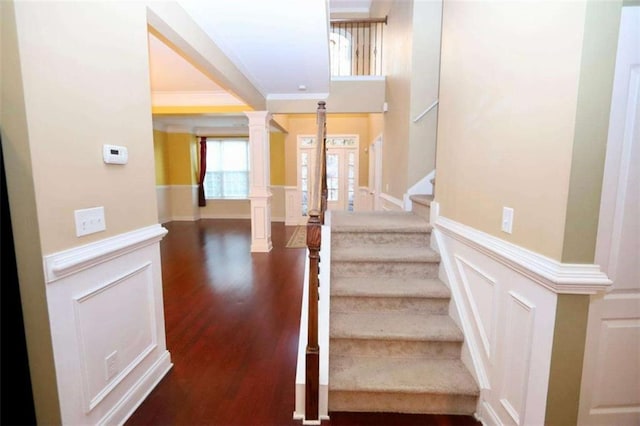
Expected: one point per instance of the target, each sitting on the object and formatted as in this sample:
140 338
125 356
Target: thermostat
113 154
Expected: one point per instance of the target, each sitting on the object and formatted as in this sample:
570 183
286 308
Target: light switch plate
507 220
89 221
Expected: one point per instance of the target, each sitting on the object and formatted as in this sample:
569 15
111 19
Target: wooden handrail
317 207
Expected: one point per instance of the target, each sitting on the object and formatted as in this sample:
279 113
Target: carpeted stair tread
393 346
381 254
393 326
399 222
405 375
424 199
389 287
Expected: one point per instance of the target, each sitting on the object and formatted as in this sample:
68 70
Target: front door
342 171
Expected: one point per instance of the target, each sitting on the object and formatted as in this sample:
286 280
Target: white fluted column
259 176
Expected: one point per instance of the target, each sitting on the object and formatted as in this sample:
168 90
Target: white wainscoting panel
293 207
184 202
163 197
508 321
515 354
278 211
107 322
482 296
505 300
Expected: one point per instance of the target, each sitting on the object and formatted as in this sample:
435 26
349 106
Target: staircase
393 346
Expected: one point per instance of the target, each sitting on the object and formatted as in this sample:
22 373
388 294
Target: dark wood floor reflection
232 322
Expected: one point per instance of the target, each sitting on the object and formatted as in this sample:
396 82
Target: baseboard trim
67 262
561 278
138 392
393 200
226 216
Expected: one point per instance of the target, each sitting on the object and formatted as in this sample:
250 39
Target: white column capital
258 118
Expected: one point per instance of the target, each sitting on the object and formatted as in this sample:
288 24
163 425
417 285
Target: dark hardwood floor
232 321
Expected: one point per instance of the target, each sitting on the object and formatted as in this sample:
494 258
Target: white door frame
375 171
333 141
611 371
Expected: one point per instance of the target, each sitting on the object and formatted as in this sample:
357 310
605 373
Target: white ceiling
279 45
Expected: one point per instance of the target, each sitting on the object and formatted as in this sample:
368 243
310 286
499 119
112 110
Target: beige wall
397 68
412 61
376 126
72 114
425 72
228 209
524 103
506 116
361 95
55 121
597 65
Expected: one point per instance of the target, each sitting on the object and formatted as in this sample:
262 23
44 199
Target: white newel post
259 176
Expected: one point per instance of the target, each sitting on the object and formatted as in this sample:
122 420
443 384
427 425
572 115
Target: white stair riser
401 402
395 348
387 239
389 304
382 269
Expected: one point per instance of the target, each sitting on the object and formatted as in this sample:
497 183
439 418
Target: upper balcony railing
356 46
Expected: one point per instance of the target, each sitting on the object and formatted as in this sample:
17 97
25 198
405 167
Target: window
340 52
227 169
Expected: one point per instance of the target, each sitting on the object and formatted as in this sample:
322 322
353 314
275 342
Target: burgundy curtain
202 201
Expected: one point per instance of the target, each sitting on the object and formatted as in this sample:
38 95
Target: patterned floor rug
299 238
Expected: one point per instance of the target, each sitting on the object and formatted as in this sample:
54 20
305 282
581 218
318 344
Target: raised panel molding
517 352
484 315
90 310
612 393
292 206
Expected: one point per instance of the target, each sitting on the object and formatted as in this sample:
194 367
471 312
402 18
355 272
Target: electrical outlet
111 365
89 221
507 220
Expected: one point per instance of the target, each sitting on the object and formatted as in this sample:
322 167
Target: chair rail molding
67 262
561 278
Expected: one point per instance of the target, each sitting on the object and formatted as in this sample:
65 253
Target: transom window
227 173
